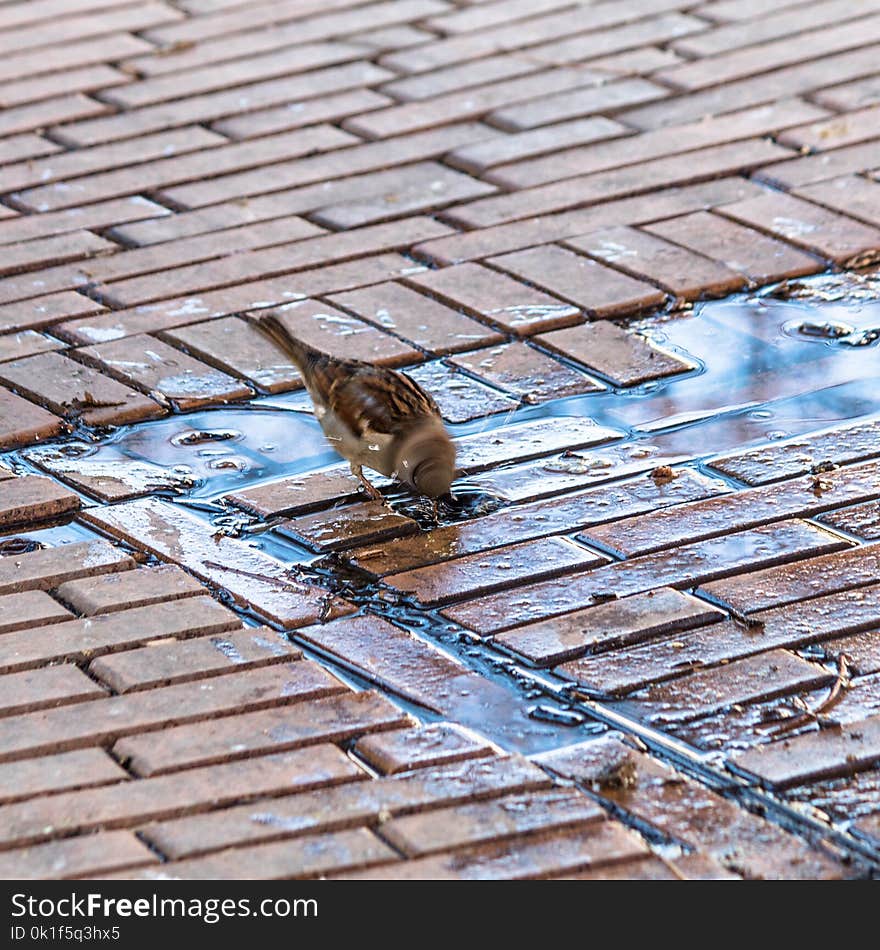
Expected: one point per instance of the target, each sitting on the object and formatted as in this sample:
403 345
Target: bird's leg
372 491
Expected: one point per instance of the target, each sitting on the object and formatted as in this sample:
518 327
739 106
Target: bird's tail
300 353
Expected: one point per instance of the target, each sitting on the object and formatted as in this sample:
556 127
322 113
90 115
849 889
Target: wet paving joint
669 555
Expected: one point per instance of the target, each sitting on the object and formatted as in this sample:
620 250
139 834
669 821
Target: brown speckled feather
364 397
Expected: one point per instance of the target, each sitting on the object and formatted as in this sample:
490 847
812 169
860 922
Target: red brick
339 528
498 299
606 626
676 269
668 801
168 796
104 720
466 104
164 172
841 239
657 29
779 24
86 856
308 857
278 32
346 805
82 768
860 520
573 104
84 79
107 593
541 856
179 311
77 391
850 95
446 187
16 346
625 358
841 445
338 717
852 195
752 60
169 662
46 688
415 318
298 494
458 826
56 249
812 621
33 498
598 290
527 372
73 53
526 440
834 132
821 167
507 37
281 118
72 164
61 30
31 608
481 16
369 157
679 567
760 258
486 572
420 747
43 311
239 348
273 261
47 568
155 367
28 146
788 583
618 182
823 754
237 72
40 114
745 509
537 519
482 156
635 210
22 423
80 639
108 475
750 680
249 577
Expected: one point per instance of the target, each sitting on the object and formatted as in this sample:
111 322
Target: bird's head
426 459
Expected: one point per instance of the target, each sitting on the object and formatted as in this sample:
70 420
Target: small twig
831 700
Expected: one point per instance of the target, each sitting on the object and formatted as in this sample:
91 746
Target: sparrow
375 417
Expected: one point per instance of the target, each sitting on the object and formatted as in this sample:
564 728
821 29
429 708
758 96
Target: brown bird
373 416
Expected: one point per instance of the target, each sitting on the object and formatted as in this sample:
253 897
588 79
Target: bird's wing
380 400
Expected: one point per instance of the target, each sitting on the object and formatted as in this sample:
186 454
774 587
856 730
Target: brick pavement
484 192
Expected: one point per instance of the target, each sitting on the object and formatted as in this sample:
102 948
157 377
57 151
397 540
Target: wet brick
169 662
250 577
415 318
79 639
81 768
860 520
420 747
30 608
366 522
23 423
47 568
86 856
498 298
625 358
460 397
167 796
607 626
486 572
46 688
337 717
458 826
110 592
526 371
346 805
77 391
33 498
686 566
